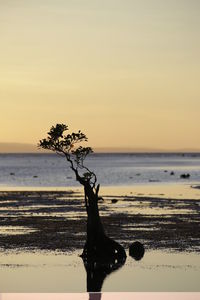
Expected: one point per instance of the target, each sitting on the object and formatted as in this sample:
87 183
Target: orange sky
125 72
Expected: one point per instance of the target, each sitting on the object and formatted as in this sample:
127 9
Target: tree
98 246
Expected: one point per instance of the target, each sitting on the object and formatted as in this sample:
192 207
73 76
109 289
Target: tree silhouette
98 246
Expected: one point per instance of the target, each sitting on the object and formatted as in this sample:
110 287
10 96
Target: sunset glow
124 72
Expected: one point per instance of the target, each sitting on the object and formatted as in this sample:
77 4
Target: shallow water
49 170
52 272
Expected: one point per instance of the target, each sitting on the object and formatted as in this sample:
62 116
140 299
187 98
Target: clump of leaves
60 141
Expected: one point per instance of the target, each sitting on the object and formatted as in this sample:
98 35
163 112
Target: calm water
49 170
47 272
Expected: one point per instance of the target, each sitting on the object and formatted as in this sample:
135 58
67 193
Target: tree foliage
68 144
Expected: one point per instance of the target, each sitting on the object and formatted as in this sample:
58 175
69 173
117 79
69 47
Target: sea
112 169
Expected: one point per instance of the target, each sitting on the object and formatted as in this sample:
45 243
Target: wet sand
56 220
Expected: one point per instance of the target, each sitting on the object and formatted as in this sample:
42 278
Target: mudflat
56 220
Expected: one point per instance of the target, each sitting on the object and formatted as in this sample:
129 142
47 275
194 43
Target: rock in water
185 176
136 250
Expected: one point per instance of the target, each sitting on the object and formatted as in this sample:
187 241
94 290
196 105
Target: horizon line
6 148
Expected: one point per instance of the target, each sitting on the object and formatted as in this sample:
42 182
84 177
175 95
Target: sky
125 72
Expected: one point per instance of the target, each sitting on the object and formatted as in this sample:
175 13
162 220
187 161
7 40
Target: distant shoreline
31 148
112 153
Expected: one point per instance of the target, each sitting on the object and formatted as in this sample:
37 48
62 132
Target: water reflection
98 269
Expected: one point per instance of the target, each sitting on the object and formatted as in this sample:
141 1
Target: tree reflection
98 269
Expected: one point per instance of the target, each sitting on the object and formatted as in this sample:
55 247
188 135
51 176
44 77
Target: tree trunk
98 245
95 229
101 255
